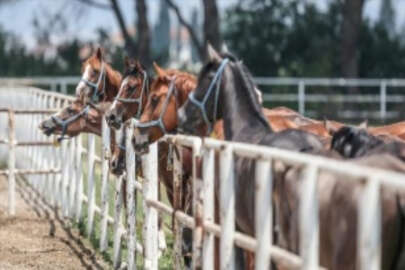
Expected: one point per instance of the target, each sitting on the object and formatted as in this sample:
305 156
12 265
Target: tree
387 16
352 11
211 26
161 33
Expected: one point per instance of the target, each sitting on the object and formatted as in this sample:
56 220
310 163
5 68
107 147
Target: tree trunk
143 34
352 18
129 43
211 24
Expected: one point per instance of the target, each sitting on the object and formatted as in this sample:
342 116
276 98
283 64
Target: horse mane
246 78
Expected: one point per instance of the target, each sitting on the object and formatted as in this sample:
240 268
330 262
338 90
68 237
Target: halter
159 122
145 87
95 86
65 123
216 81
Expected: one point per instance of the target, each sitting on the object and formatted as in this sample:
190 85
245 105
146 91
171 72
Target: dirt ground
37 238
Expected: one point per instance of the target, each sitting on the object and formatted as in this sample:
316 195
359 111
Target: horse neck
113 83
243 118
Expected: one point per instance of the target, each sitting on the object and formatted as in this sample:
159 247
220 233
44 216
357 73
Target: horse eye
155 100
70 111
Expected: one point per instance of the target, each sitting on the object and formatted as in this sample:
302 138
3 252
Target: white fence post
117 223
263 213
308 220
105 155
177 202
383 100
72 178
150 193
198 187
11 163
90 186
79 178
209 203
131 204
227 208
369 226
301 97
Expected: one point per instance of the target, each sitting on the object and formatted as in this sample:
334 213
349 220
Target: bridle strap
145 88
96 86
159 122
65 123
216 81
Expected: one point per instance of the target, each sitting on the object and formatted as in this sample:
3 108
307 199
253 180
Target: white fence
381 97
72 186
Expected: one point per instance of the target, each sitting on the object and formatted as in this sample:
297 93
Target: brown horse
132 95
99 82
338 211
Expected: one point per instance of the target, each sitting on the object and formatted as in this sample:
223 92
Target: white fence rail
64 178
380 98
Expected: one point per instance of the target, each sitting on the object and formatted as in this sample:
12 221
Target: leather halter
159 122
145 87
216 81
95 97
65 123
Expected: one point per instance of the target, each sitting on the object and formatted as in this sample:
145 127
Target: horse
99 82
338 211
355 142
132 95
226 91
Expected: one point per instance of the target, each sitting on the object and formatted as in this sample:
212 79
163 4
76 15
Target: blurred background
274 38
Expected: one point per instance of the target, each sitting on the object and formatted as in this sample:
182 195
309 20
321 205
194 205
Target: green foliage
287 38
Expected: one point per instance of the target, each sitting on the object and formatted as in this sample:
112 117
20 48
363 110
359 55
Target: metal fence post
11 163
369 226
177 202
91 190
263 213
301 97
383 100
208 203
105 155
227 208
150 193
131 203
308 219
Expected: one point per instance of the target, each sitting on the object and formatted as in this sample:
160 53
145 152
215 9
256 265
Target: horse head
74 119
99 81
168 92
132 95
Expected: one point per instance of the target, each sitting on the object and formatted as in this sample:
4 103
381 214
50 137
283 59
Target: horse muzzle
114 120
140 143
48 127
117 166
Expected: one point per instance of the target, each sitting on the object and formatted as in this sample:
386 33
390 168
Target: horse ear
212 54
159 71
224 48
364 124
99 53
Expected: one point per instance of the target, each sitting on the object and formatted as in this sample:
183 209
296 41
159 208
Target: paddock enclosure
75 178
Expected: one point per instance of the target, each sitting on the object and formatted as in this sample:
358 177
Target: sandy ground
37 238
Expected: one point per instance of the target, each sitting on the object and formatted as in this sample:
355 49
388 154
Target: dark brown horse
225 90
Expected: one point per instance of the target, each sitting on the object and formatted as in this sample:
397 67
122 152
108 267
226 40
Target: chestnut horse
132 95
99 82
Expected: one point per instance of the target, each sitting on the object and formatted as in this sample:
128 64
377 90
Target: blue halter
145 87
95 86
216 81
65 123
159 122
